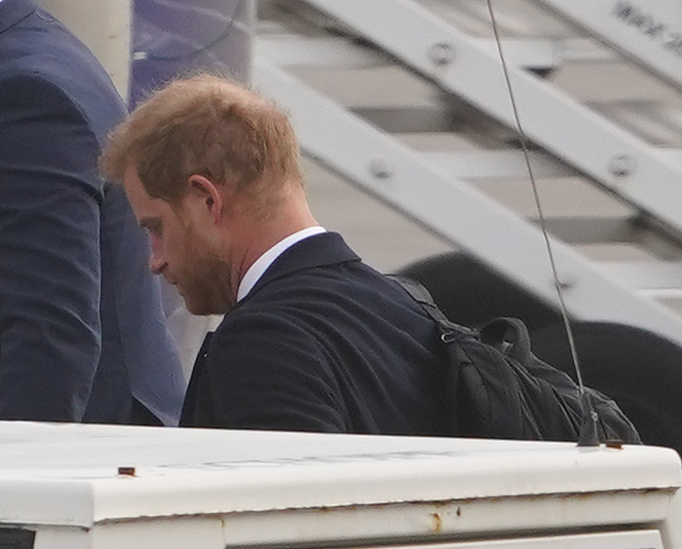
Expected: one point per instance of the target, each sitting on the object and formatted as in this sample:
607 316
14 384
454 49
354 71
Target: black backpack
497 388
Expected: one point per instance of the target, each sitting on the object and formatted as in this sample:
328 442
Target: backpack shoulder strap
448 329
422 296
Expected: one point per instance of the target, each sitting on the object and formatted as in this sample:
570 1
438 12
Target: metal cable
538 204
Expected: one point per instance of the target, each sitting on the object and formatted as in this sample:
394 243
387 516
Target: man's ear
206 196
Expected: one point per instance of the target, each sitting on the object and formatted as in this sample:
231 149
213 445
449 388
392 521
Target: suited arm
50 260
267 373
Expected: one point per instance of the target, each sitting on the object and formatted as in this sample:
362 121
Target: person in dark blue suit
312 339
82 333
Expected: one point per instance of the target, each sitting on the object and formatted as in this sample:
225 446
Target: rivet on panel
622 165
380 169
442 54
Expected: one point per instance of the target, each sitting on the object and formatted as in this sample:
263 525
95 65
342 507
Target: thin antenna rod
588 434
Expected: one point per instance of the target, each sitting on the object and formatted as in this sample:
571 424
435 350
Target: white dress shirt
254 273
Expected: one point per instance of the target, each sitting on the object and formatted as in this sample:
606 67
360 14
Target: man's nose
156 260
156 264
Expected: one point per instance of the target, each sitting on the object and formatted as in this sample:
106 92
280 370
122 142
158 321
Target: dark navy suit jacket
82 334
321 343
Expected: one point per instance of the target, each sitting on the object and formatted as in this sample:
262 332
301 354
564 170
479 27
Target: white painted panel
51 537
174 533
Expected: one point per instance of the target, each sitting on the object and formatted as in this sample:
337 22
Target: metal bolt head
380 169
441 53
565 280
622 165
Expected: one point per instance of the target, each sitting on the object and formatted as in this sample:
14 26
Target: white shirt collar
255 272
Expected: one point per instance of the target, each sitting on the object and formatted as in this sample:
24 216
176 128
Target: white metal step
496 164
286 49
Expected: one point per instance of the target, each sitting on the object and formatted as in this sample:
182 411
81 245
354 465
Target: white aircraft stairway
408 101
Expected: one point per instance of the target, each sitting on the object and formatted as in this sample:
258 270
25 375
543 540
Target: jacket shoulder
39 53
